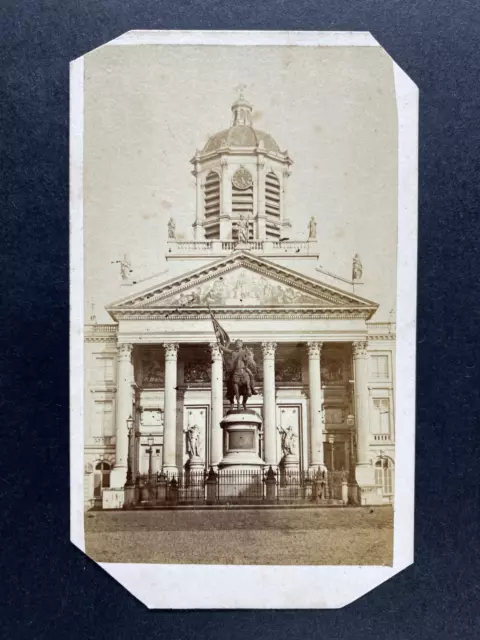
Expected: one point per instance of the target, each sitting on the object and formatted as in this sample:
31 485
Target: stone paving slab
309 536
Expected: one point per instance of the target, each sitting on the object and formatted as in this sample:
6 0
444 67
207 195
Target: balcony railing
103 441
208 247
382 437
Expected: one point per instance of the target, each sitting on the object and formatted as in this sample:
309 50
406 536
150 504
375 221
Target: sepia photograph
239 288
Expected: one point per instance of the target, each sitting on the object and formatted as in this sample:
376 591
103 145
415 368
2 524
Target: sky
148 108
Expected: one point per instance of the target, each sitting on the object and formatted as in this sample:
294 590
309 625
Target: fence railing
237 487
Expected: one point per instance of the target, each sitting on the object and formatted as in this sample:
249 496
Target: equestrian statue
240 368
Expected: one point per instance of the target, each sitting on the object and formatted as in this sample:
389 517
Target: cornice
100 338
286 313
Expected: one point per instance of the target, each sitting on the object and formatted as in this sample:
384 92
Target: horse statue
240 375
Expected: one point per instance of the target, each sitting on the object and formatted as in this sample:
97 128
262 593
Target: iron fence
237 487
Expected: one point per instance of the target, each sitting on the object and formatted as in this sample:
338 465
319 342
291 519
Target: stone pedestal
288 467
241 441
241 468
195 468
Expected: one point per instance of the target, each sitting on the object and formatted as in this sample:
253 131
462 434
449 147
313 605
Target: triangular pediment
242 282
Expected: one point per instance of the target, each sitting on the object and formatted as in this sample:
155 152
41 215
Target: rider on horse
242 367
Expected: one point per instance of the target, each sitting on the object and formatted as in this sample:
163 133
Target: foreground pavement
331 536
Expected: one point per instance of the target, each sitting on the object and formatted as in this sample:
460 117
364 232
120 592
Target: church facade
325 367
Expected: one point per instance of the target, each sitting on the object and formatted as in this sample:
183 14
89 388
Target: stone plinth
289 462
195 468
288 468
241 441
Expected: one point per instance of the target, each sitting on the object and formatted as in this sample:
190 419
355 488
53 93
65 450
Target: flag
220 333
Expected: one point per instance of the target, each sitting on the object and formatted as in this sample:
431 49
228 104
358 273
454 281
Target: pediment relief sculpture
241 287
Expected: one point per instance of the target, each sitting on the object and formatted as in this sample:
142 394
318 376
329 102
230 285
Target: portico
169 363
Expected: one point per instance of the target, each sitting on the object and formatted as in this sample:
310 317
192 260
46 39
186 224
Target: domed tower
241 171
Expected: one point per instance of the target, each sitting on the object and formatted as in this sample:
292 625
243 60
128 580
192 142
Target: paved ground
275 536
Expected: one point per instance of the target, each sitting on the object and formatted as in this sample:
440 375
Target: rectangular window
103 419
104 369
381 416
380 367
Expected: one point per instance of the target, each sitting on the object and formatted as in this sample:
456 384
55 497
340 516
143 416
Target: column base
170 470
118 477
289 462
369 492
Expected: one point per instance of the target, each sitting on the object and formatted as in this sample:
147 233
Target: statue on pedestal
357 268
193 441
171 229
242 230
241 369
288 440
125 267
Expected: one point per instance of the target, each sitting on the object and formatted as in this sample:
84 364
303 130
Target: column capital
215 351
268 349
125 350
360 349
314 349
171 350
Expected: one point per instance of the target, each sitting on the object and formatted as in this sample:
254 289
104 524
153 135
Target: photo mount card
243 299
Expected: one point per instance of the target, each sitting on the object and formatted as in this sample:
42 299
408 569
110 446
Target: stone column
269 404
364 472
199 230
216 449
124 410
316 400
170 410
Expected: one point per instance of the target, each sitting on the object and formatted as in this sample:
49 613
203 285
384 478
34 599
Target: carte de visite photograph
239 209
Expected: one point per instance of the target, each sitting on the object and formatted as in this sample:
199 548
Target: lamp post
351 465
129 493
331 442
129 456
150 452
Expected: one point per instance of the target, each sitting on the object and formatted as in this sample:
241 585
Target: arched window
272 205
101 478
384 475
212 205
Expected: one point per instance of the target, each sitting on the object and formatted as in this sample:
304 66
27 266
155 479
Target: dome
241 136
241 133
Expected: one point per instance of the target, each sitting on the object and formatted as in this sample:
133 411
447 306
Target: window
212 205
272 205
380 367
104 369
381 418
384 475
101 478
103 426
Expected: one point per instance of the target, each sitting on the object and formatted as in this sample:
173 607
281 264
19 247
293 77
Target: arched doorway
384 475
101 478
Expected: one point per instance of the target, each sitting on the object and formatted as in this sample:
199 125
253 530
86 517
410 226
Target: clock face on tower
242 179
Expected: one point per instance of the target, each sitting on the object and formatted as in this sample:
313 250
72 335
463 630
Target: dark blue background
49 588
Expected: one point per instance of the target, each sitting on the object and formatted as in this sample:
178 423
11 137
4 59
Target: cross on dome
242 110
240 88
